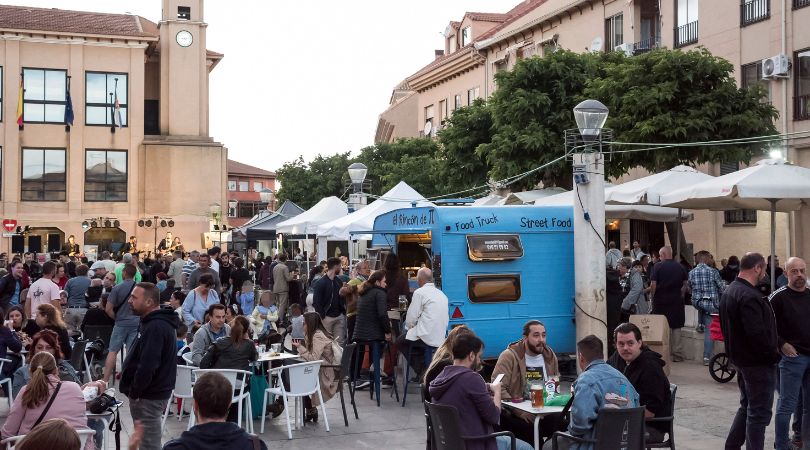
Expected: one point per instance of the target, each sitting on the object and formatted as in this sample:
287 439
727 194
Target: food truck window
494 247
493 288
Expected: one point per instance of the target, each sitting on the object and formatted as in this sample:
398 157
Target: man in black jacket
645 370
749 329
151 366
328 303
11 286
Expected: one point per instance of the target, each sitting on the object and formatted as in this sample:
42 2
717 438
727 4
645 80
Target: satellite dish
596 44
428 128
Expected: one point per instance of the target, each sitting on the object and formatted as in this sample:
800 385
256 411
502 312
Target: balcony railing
801 107
686 34
800 3
754 11
646 45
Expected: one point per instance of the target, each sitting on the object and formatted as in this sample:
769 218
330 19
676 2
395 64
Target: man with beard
749 329
791 307
524 362
478 403
644 369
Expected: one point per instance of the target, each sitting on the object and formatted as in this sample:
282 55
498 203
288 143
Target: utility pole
586 145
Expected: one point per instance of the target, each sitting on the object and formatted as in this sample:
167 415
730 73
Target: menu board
494 247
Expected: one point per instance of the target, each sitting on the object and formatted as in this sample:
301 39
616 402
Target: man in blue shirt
597 380
707 285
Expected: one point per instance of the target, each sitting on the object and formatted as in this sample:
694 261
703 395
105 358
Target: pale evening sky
303 78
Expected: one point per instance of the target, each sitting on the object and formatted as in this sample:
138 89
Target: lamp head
357 173
590 116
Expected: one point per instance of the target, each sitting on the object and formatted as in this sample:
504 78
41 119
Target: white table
264 357
538 413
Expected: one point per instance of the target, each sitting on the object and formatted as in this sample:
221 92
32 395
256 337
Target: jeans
757 386
676 345
336 326
123 335
149 413
794 379
505 443
708 344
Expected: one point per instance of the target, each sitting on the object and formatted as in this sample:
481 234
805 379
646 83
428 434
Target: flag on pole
117 112
68 107
20 104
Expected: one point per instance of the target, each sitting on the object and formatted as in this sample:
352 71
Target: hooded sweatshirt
512 364
646 374
464 389
151 367
214 436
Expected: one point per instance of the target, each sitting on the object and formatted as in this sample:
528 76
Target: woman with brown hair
46 397
317 346
48 318
396 282
232 352
442 357
53 434
44 341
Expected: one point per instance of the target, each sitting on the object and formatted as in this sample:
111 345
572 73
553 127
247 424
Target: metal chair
183 389
428 356
78 359
7 381
374 354
343 370
304 381
241 397
670 441
187 358
615 428
446 427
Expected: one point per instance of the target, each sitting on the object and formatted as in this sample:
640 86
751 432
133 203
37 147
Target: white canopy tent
637 212
400 196
769 185
529 197
326 210
491 199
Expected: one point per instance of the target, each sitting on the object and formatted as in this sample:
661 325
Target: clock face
184 38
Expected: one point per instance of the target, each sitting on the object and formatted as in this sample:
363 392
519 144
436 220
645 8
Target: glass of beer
537 395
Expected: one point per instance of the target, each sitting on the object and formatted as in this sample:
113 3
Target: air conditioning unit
775 66
626 48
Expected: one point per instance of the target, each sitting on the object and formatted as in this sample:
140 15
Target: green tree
461 165
410 160
670 96
663 96
305 184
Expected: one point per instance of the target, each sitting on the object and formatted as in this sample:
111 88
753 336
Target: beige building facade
745 32
149 156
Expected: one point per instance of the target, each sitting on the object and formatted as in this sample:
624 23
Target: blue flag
68 110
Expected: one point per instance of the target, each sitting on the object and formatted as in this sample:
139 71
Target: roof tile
245 169
77 22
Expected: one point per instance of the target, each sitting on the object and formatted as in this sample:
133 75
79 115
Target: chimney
438 53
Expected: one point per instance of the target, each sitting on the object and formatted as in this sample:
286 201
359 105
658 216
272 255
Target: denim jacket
597 380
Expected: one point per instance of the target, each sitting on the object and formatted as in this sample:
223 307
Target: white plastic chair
304 381
240 397
11 442
7 381
187 358
183 389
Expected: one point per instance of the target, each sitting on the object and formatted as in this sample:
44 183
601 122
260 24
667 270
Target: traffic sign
9 224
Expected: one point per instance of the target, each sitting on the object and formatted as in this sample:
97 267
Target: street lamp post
586 144
357 173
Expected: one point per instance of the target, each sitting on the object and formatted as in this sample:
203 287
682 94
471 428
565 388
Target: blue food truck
499 266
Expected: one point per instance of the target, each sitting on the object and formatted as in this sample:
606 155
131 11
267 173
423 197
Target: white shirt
427 316
41 292
215 265
538 363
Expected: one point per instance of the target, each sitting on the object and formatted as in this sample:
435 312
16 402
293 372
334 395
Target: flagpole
112 114
68 104
20 100
116 108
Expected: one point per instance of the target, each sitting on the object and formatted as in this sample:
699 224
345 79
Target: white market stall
306 224
400 196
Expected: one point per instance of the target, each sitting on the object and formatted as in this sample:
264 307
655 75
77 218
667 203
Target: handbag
100 404
258 384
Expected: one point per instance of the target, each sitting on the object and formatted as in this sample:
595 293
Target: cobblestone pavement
704 410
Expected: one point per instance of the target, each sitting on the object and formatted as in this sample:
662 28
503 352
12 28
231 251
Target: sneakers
362 384
387 383
699 328
705 361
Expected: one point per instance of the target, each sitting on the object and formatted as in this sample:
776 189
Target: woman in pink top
34 397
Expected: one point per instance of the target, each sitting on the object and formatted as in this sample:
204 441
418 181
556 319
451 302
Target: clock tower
184 67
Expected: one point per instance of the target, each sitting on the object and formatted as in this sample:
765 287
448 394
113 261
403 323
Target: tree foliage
305 184
410 160
460 163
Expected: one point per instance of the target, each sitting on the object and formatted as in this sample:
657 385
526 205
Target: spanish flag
20 105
